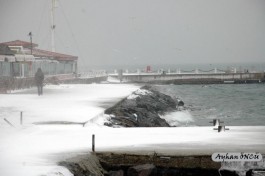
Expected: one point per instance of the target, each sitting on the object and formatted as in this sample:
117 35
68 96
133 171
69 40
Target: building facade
21 59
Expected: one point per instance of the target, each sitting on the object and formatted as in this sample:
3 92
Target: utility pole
30 35
52 25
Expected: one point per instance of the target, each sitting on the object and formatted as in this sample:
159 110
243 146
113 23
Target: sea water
235 104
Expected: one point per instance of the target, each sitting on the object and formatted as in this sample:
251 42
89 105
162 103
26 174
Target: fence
11 83
93 73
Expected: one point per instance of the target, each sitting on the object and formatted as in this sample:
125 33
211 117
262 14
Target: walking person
39 77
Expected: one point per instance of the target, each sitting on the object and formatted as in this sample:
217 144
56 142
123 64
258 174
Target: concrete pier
192 77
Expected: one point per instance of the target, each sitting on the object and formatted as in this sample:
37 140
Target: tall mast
52 25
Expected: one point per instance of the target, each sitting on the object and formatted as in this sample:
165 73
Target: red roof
40 53
20 43
58 56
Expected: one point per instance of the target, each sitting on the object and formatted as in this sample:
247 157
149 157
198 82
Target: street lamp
30 35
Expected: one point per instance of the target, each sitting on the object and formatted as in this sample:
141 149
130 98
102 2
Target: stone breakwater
142 109
121 164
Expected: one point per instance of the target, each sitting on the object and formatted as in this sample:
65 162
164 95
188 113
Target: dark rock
186 172
142 109
142 170
249 172
116 173
180 102
228 173
76 169
255 172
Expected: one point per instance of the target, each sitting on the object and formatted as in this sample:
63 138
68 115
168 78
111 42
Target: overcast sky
102 32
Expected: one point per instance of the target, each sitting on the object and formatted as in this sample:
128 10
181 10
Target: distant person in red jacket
39 77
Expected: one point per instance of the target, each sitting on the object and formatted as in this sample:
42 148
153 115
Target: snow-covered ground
32 150
74 103
26 150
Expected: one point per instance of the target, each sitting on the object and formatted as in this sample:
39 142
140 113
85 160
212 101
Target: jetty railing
179 71
196 74
92 74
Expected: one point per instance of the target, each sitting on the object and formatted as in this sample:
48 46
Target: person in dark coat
39 77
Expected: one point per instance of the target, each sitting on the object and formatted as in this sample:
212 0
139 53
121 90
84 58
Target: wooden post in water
93 143
21 118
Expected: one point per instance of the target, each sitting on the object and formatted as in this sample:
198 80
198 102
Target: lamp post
30 35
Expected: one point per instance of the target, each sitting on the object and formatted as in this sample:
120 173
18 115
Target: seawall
213 78
122 164
125 164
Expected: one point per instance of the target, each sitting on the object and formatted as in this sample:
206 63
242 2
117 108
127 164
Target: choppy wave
180 118
235 104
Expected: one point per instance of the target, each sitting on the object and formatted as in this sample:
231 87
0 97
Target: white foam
180 118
